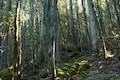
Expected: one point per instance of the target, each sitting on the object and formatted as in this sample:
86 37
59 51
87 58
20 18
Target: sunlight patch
108 54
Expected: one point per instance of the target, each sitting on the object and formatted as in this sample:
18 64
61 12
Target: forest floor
103 69
100 68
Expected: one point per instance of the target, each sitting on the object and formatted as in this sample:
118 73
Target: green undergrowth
6 74
71 69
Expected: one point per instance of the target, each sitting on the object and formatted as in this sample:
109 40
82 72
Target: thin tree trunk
7 41
117 13
1 7
67 17
109 16
72 28
54 37
86 24
102 36
8 6
1 38
42 34
55 26
79 45
32 29
17 56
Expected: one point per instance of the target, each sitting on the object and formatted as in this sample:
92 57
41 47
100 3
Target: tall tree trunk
8 6
31 28
67 17
87 35
101 31
53 18
72 28
109 16
55 26
117 13
22 28
8 51
9 32
92 24
79 45
42 34
1 7
17 57
1 38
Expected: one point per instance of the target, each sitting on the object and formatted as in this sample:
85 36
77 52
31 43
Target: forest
59 39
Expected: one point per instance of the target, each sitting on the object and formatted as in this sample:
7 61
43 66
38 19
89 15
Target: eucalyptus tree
1 38
67 15
10 32
116 9
42 33
37 28
55 26
69 21
101 29
84 12
8 6
72 26
86 26
92 23
1 8
77 9
109 15
53 18
5 31
1 52
16 47
22 28
31 28
78 26
17 55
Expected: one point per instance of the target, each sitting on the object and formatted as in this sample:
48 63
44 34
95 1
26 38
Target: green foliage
43 73
73 69
7 74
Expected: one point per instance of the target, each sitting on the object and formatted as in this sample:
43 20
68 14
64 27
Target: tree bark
93 23
117 13
17 57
